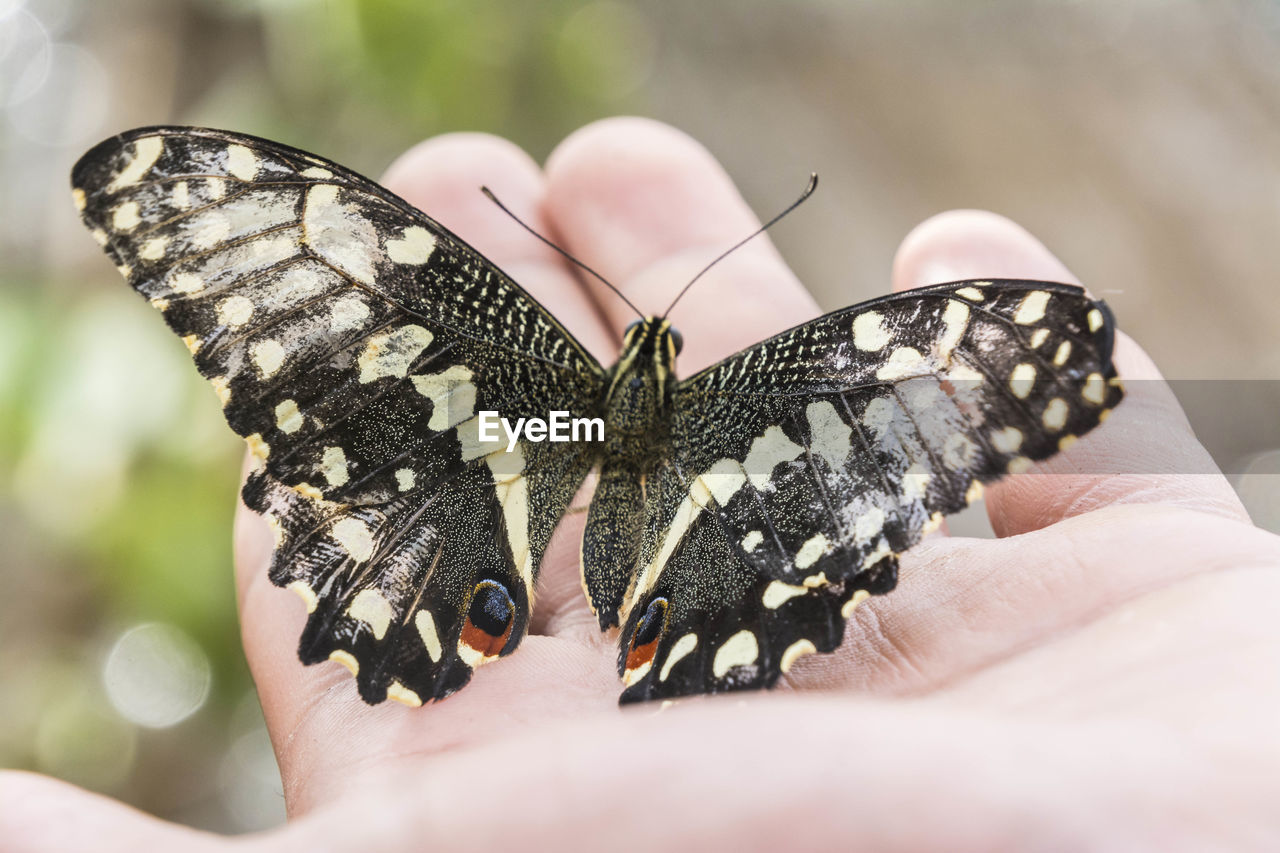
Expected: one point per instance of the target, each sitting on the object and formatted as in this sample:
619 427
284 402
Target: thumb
38 814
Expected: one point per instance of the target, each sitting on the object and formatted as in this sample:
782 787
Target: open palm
1105 675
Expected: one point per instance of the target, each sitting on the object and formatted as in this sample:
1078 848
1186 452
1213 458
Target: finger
1145 453
648 207
43 815
313 713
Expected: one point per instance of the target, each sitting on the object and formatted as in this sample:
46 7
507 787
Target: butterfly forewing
803 466
352 341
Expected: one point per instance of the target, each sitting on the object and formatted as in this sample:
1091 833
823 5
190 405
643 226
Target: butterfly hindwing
352 341
836 446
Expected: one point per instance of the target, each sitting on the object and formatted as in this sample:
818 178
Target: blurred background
1139 140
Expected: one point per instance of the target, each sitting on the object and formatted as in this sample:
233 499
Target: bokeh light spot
156 675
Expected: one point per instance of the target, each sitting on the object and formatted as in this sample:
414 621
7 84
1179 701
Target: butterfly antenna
493 198
808 191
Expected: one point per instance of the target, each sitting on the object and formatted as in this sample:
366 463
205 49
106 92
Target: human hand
1103 676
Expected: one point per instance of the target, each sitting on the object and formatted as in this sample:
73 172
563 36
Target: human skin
1103 676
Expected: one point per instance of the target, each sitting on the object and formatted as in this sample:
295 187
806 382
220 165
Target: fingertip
964 244
648 206
640 188
448 171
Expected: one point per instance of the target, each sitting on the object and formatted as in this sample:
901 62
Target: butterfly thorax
640 386
637 404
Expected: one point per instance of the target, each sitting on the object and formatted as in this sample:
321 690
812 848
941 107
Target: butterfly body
739 514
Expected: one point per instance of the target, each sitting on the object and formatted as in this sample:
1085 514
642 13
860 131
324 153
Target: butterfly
739 515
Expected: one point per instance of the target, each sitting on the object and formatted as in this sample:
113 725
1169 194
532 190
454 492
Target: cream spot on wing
815 581
372 608
752 541
974 493
768 451
126 270
721 481
392 353
881 551
452 396
405 479
959 451
739 650
869 333
1018 465
1006 440
955 320
181 196
192 343
160 304
1064 352
346 659
1021 380
679 651
215 187
852 604
1055 414
794 652
316 172
397 692
1031 309
904 362
1094 390
288 418
934 522
153 249
633 676
830 437
1067 440
965 376
414 247
511 488
235 311
869 524
778 593
267 355
1095 319
257 446
915 481
810 552
1038 337
208 229
971 293
222 388
277 535
877 415
309 491
333 464
306 593
355 538
77 196
99 236
348 313
426 625
338 233
186 282
125 217
472 447
242 163
146 152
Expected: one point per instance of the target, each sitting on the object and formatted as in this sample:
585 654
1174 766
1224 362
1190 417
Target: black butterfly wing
352 341
803 466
